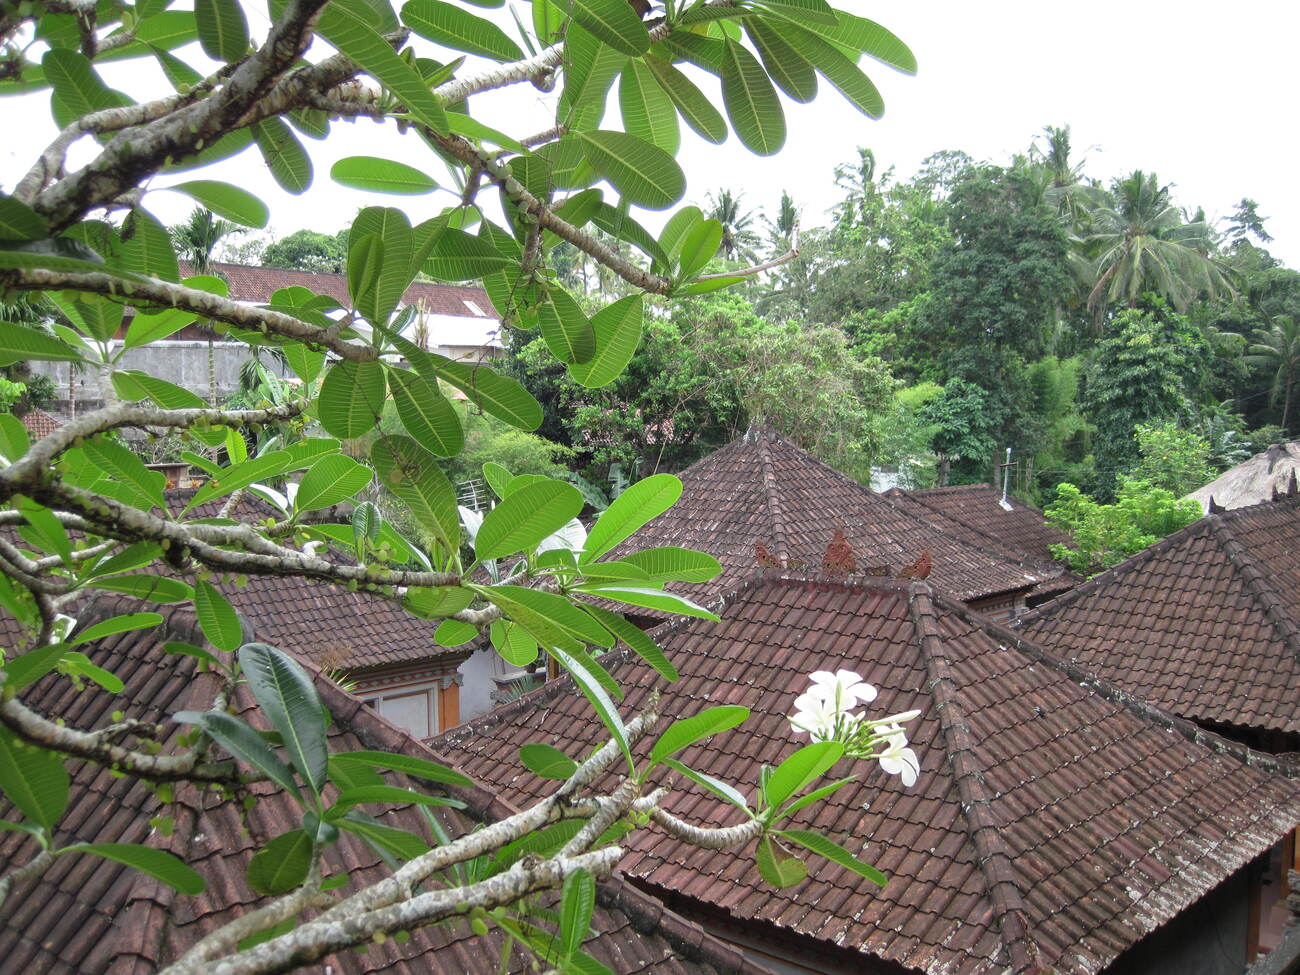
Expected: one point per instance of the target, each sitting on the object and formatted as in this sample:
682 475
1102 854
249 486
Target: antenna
1006 475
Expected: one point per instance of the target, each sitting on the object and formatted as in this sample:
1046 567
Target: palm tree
780 232
1141 242
739 238
197 238
1278 349
195 241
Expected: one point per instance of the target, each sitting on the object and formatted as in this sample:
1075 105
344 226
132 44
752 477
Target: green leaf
751 102
828 848
547 761
577 902
354 37
333 478
245 744
648 111
840 71
644 500
397 265
25 670
778 870
387 794
717 787
549 617
19 343
217 618
565 329
413 474
800 768
375 175
134 386
352 398
786 66
521 521
665 602
159 864
673 564
147 247
223 29
157 589
614 22
18 221
232 202
458 256
232 479
436 602
679 225
426 413
808 799
502 397
398 842
687 731
46 529
635 638
643 174
33 779
599 699
691 103
807 11
408 765
616 222
282 864
454 633
513 642
126 468
453 27
589 70
118 624
617 329
699 246
78 89
858 34
289 701
14 441
284 155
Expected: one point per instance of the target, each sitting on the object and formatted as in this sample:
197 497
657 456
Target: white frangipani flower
819 717
844 687
897 758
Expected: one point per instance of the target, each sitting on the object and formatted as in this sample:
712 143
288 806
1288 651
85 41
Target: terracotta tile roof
39 423
257 284
1056 823
1205 623
759 489
88 914
976 506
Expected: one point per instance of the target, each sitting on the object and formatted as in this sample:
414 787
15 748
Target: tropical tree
740 238
196 240
1140 242
1277 350
85 516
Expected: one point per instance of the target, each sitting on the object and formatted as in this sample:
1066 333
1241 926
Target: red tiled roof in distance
976 506
39 423
88 914
257 284
761 490
1057 820
1205 623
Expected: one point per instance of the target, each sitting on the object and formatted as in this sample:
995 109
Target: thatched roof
1262 478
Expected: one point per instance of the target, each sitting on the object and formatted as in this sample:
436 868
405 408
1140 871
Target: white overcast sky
1203 94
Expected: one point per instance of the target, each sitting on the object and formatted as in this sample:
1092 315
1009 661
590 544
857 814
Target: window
474 309
413 710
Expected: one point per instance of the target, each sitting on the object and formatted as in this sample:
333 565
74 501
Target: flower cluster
826 712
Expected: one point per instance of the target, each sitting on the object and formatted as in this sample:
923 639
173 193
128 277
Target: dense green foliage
1105 534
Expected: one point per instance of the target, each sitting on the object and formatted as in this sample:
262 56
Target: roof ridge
770 498
1008 555
877 495
1257 580
1105 576
994 858
1110 691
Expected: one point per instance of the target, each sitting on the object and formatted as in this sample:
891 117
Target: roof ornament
920 569
838 558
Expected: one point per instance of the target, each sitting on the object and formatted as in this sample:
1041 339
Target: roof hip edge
770 498
992 855
1257 581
